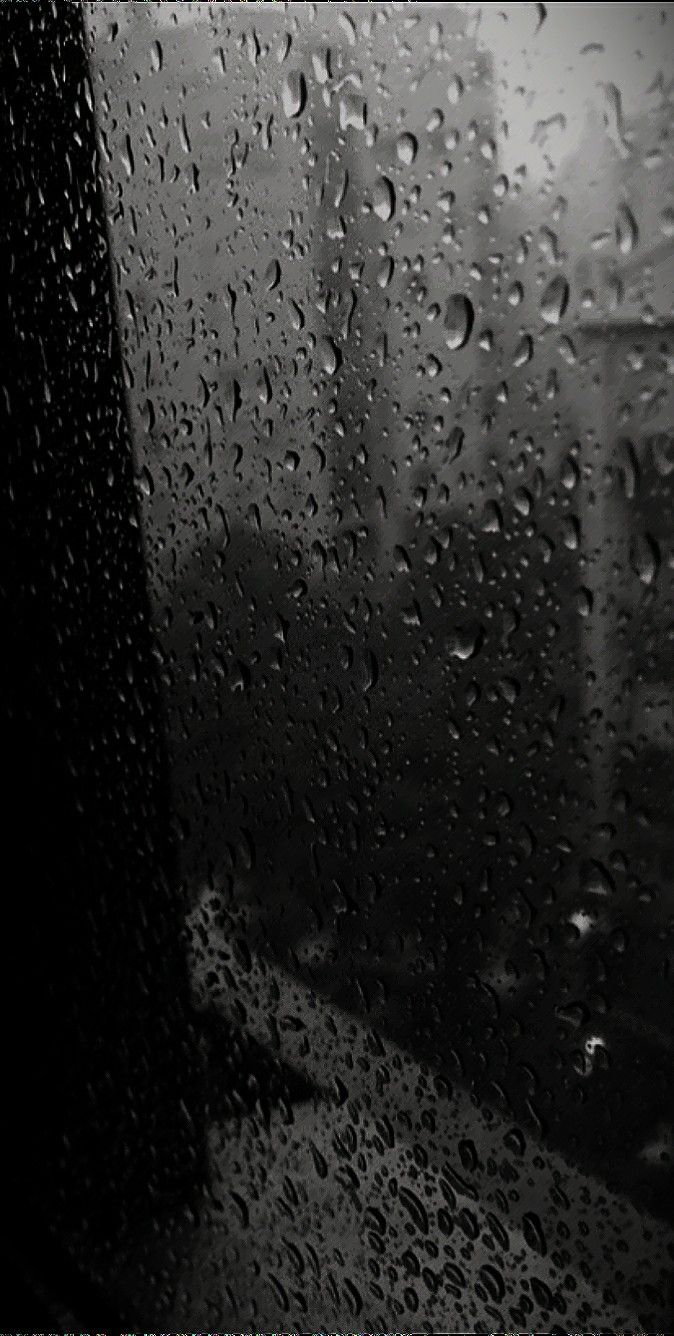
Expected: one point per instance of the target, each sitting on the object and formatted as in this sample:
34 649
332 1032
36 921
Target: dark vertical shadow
102 1095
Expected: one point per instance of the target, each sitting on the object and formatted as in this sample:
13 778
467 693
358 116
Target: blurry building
624 270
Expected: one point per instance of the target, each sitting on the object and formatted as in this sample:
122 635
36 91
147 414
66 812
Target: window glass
393 291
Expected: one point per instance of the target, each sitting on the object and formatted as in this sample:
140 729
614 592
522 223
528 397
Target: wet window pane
367 312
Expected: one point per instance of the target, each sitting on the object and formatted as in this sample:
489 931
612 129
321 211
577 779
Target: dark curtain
101 1097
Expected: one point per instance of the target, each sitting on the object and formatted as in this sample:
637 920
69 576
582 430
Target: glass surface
393 289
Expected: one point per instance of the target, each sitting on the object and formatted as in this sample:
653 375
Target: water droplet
415 1208
454 444
253 47
626 231
371 671
272 275
459 320
320 1164
329 355
662 450
352 112
667 222
466 641
385 272
515 1141
571 533
595 880
296 316
454 89
406 148
493 1282
293 93
554 300
146 482
321 64
492 521
347 24
645 558
614 119
524 351
523 502
384 199
533 1233
468 1155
